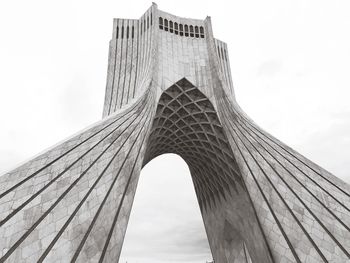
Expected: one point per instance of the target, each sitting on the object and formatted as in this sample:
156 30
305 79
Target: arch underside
186 123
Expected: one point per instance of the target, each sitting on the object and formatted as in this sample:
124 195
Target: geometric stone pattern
169 90
186 124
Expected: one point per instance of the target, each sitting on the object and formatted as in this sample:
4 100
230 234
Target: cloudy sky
290 62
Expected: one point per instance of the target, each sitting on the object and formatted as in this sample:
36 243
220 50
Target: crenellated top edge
156 13
154 7
181 19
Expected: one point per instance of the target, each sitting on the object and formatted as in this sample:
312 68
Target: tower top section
161 48
181 26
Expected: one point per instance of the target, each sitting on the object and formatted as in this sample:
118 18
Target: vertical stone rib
308 209
292 154
137 160
19 208
110 76
285 203
115 64
296 257
137 35
16 185
90 190
301 183
35 225
126 69
132 65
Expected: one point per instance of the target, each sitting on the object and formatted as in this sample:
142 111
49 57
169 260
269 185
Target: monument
169 90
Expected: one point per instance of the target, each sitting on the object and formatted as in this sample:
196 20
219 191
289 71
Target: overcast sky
290 62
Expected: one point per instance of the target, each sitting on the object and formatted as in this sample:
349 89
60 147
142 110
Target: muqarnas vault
169 90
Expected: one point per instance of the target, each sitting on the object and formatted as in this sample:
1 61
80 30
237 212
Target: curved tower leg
303 209
73 201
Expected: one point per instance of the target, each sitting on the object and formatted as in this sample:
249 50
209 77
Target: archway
186 123
165 223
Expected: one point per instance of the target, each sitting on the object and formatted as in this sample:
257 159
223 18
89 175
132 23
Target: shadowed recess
186 124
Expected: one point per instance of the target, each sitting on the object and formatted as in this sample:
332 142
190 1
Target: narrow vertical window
144 25
148 22
117 33
140 29
171 26
196 30
219 52
176 27
191 31
225 54
122 32
186 30
181 30
132 32
201 29
160 23
151 19
166 24
127 32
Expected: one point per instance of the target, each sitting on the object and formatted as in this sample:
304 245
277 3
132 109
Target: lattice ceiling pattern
186 124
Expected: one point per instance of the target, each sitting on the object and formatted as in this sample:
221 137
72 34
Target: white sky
290 63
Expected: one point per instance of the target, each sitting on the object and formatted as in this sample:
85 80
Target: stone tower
169 90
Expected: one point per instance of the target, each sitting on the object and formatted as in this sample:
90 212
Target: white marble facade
169 89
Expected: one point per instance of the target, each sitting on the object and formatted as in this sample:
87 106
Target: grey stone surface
170 90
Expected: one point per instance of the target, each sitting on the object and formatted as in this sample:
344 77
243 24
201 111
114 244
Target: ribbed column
73 201
303 210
